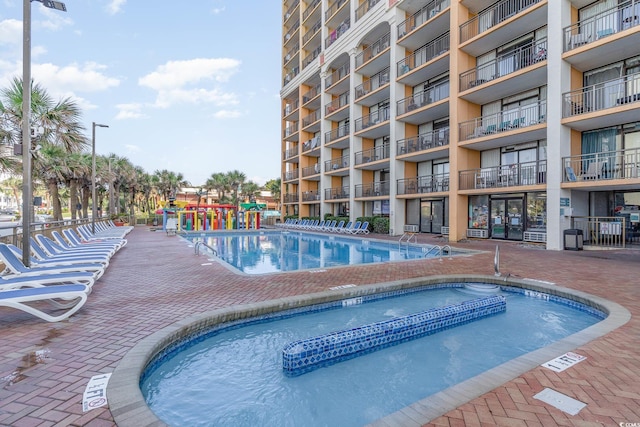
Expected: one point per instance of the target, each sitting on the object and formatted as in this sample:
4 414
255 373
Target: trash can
573 239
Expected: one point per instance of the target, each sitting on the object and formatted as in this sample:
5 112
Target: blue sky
192 87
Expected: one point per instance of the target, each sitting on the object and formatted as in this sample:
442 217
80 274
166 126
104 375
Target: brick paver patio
156 280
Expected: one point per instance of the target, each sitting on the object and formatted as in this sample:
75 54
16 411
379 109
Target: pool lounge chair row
350 227
62 271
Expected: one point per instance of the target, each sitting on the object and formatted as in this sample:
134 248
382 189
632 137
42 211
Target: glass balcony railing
622 17
504 121
517 174
488 18
424 54
504 64
601 96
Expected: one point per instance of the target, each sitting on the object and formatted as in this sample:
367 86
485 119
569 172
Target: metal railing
337 133
333 8
311 57
364 8
504 121
336 193
339 31
428 96
311 144
374 50
338 74
620 164
311 118
290 130
310 8
423 184
600 96
336 163
290 198
312 32
514 175
291 53
424 54
290 153
292 174
372 189
341 101
373 83
488 18
311 196
619 18
372 154
420 17
374 118
504 65
292 105
311 170
424 141
311 93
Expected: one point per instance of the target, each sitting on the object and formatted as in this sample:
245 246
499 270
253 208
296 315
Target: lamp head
57 5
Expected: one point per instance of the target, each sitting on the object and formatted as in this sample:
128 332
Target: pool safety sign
95 394
563 362
561 401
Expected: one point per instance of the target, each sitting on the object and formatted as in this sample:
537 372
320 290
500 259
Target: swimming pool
285 251
234 376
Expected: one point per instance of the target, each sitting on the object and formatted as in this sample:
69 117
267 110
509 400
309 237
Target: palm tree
52 168
250 191
219 183
274 186
236 179
14 185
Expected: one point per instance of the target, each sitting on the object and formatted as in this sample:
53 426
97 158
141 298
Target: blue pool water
234 376
275 252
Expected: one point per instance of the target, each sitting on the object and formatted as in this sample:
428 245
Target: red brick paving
156 280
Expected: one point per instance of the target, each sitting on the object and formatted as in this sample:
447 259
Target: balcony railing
621 164
311 57
375 82
292 174
505 64
600 96
486 19
424 141
290 152
372 154
428 96
311 144
311 93
337 163
364 8
289 12
291 106
310 8
290 130
311 32
423 184
311 118
311 170
290 198
625 15
337 133
337 103
291 31
421 16
514 175
336 193
291 53
372 189
291 74
334 35
504 121
333 8
374 50
424 54
311 196
337 75
372 119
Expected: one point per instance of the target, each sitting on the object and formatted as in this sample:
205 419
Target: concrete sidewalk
156 280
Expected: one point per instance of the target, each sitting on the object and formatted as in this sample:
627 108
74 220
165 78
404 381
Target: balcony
336 33
365 7
290 198
311 122
290 154
368 92
291 55
293 72
336 12
504 176
313 170
311 57
291 110
375 57
425 106
290 133
505 21
480 85
337 137
311 196
609 103
432 20
414 148
338 81
338 109
373 189
371 125
291 175
336 193
608 34
290 11
292 34
312 94
311 10
620 169
434 183
311 145
506 127
312 33
422 64
337 166
373 158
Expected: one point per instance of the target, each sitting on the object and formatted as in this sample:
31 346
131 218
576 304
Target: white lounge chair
68 297
363 229
337 228
355 226
345 229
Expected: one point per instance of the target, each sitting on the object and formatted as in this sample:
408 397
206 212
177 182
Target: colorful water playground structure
191 217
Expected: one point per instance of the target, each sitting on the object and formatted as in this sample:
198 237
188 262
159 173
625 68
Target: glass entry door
507 218
431 216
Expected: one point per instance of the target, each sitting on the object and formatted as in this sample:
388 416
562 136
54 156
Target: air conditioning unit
411 228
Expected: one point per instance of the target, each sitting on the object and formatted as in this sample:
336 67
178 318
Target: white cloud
130 111
217 10
55 19
10 32
132 148
88 77
227 114
115 6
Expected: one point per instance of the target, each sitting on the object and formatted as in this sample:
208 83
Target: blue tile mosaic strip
306 355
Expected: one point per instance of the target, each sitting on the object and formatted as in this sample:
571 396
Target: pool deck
157 280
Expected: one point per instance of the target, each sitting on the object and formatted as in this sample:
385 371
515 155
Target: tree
274 186
220 183
236 179
250 191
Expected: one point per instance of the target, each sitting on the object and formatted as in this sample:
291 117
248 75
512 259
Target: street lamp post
93 174
27 202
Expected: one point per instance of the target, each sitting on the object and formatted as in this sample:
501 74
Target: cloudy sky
192 87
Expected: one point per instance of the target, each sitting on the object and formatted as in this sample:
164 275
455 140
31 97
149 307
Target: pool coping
129 408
